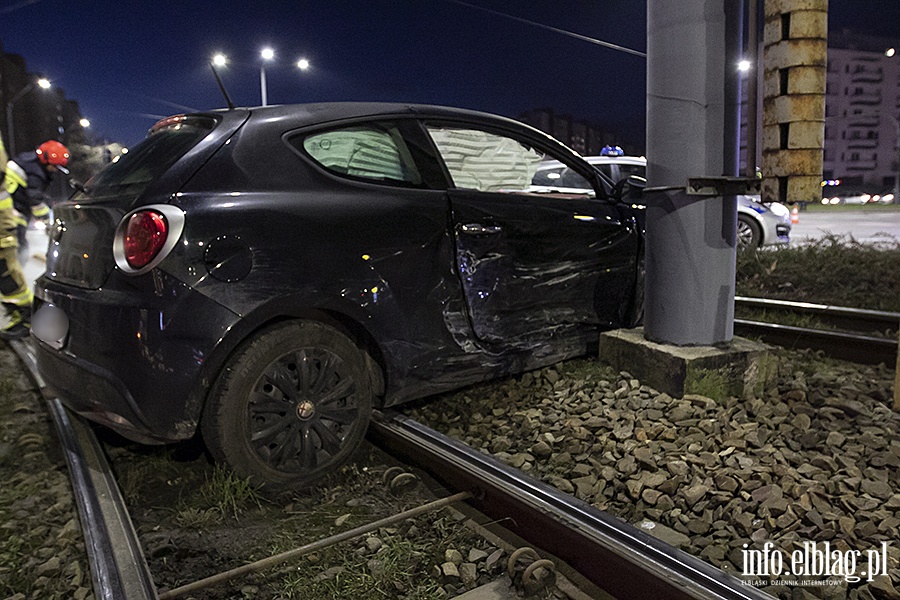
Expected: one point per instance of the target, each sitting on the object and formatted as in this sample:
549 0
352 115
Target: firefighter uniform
26 178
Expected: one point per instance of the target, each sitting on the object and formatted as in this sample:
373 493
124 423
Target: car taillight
145 235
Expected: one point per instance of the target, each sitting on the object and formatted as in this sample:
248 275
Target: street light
267 54
84 122
303 64
42 83
220 60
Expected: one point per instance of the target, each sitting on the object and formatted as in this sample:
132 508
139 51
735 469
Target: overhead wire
572 34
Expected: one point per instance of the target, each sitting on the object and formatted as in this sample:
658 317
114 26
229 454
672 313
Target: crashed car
267 276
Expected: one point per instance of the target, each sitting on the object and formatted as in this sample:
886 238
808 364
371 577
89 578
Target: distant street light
890 52
42 83
303 64
267 54
84 123
220 60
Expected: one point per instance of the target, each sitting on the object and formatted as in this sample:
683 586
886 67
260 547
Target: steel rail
855 319
845 346
617 557
119 570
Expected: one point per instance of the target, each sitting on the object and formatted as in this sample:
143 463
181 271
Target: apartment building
862 108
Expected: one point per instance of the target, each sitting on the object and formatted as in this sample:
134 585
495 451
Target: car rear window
129 174
373 152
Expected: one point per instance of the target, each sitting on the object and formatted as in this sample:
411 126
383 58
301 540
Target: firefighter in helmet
22 195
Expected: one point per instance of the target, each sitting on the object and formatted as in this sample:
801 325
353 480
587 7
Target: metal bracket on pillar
722 186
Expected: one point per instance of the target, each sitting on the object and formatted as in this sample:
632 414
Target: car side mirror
629 189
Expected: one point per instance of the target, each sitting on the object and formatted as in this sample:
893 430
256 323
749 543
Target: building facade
585 138
32 115
862 108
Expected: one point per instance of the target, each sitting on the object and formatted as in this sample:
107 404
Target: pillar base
742 368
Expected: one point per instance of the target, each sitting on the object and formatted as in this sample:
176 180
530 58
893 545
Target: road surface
868 226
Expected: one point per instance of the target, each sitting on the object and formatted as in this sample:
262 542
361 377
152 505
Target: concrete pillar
795 59
690 253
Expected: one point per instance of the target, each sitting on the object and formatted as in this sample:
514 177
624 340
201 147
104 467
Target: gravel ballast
817 459
42 553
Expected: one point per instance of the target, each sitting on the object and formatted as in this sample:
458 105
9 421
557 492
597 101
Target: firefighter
27 176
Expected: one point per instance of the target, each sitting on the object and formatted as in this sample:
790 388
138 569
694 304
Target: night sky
131 63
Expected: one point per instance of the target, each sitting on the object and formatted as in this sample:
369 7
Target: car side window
374 152
489 162
548 176
626 171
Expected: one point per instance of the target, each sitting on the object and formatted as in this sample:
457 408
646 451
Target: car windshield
130 174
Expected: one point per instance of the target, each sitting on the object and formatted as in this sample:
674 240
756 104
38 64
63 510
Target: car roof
300 115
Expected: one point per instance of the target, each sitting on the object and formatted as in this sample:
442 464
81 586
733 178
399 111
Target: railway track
611 554
851 339
118 568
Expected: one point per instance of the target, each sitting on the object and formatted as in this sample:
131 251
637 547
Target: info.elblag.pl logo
815 560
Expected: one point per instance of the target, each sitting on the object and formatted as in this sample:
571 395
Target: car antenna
221 87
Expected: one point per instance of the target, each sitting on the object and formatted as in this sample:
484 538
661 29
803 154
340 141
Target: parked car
758 224
269 275
837 195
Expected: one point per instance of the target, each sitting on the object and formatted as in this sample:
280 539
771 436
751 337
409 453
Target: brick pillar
794 66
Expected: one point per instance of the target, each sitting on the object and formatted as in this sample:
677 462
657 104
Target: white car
758 224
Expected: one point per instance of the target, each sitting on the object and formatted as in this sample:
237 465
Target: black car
269 275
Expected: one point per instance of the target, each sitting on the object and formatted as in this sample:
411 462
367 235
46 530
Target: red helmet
53 153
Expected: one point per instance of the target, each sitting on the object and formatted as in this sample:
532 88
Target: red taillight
145 236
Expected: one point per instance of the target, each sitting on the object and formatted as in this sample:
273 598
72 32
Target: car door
533 262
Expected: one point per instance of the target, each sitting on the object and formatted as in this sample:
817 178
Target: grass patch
834 270
228 495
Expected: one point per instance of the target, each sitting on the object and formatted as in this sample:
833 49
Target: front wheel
749 236
291 406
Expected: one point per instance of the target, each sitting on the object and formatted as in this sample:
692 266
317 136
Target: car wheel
748 234
291 406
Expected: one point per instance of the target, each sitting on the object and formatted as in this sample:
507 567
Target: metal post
752 87
262 84
690 253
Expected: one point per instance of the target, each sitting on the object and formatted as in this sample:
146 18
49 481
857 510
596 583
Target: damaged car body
270 275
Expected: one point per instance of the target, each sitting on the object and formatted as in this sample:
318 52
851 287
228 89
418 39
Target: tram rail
119 570
620 559
856 343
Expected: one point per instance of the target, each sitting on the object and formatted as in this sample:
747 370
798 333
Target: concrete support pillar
795 59
690 253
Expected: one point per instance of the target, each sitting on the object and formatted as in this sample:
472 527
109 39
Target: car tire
749 235
291 406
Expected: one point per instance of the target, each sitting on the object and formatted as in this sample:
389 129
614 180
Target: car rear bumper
130 361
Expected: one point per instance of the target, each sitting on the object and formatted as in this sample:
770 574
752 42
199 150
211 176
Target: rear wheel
748 234
291 406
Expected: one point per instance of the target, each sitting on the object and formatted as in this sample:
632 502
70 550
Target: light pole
41 83
267 54
219 60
